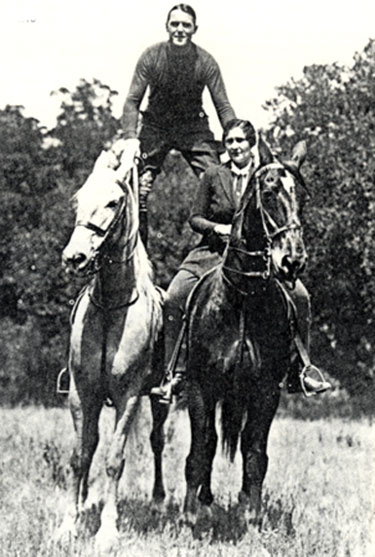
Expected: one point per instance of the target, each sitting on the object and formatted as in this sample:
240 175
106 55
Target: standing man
176 73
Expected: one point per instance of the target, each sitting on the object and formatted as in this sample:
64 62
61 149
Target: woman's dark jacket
215 203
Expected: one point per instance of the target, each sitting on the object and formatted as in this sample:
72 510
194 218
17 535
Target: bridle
99 258
271 231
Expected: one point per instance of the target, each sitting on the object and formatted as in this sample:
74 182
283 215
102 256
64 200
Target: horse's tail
241 362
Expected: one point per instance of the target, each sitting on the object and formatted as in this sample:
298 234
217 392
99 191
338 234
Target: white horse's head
101 205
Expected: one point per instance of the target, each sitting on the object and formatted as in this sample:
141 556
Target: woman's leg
174 309
301 299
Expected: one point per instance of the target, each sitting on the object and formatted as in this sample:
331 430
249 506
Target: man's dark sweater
176 77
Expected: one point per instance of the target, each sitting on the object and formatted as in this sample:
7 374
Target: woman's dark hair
245 126
184 8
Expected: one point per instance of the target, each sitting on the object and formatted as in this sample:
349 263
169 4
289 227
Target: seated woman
217 199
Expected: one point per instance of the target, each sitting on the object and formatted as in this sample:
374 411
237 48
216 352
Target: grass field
319 497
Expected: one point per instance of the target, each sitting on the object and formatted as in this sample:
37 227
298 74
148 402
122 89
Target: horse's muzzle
74 263
291 269
77 262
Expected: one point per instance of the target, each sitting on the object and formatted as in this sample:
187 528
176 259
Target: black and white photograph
187 248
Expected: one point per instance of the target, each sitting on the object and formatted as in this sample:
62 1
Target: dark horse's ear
299 153
265 153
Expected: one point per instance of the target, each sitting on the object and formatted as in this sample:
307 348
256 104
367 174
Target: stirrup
171 387
164 392
304 373
60 390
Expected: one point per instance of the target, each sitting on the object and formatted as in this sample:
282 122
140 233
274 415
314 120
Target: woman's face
238 147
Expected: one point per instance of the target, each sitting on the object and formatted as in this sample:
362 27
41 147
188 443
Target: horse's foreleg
195 462
85 418
85 421
159 415
205 494
115 463
90 439
76 411
254 449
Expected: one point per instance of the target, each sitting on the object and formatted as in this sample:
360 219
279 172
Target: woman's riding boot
311 385
175 349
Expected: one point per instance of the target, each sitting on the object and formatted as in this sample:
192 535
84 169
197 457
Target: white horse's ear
265 153
299 153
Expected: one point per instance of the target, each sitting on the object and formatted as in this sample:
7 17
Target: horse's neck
248 237
116 283
246 261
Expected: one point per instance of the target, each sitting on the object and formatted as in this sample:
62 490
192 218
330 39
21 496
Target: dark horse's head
267 234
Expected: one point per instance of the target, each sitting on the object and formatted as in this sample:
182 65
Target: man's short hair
184 8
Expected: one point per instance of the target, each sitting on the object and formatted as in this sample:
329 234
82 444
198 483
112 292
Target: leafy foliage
170 236
84 124
40 172
332 106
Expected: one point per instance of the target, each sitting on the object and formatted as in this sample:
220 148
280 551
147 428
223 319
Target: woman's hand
223 229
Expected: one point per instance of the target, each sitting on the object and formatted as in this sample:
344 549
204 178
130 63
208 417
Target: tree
333 107
85 124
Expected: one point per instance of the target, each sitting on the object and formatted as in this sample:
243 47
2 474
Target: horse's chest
116 341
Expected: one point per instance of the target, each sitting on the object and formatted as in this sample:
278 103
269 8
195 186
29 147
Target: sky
259 45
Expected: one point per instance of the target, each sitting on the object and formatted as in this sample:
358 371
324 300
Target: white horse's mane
103 180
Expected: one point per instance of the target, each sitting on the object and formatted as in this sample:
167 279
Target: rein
129 251
105 234
265 255
267 222
102 307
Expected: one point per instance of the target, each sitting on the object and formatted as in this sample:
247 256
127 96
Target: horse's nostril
300 251
78 259
73 261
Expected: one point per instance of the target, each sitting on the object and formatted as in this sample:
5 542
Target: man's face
180 27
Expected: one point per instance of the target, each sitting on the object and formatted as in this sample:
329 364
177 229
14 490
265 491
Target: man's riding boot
143 226
145 185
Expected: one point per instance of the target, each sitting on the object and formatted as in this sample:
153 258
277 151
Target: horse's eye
112 204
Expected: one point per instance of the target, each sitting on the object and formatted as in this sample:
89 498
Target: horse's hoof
203 525
67 532
190 519
250 510
106 539
158 496
204 513
157 505
252 518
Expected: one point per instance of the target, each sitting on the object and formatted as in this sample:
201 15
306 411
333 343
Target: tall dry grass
318 494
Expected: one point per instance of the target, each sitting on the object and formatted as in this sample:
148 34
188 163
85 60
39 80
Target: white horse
114 344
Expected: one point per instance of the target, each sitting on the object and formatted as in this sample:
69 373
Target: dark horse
239 332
